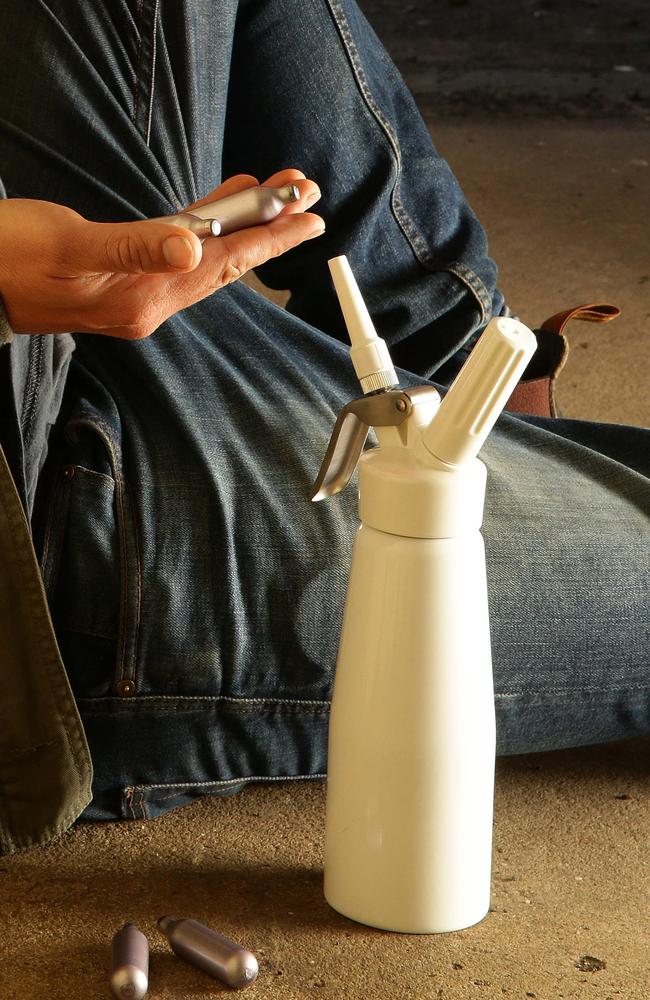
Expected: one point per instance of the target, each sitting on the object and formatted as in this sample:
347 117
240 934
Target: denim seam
269 702
179 184
55 528
226 783
113 447
32 387
152 69
410 230
137 611
136 85
573 690
129 793
62 517
46 546
472 281
145 74
130 796
105 480
124 568
423 252
132 705
56 519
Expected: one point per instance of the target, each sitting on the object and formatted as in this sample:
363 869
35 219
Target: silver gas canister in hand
251 207
215 954
130 964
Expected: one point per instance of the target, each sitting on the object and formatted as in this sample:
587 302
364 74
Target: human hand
59 272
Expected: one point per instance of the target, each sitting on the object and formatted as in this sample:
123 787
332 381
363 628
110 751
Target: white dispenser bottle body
412 737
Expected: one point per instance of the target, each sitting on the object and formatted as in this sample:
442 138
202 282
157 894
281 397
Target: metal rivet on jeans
125 688
68 472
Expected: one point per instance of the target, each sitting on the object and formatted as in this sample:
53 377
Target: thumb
145 247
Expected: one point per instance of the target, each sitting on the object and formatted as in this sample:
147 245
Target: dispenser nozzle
480 391
369 352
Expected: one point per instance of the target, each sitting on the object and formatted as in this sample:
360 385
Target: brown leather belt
535 394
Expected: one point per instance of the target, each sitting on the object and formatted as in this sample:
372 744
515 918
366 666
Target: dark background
576 59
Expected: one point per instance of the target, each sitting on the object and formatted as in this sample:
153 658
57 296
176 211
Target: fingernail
313 197
178 251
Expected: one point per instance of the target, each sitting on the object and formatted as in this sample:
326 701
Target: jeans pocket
81 570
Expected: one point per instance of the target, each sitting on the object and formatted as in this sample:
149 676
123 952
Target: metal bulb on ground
129 964
214 953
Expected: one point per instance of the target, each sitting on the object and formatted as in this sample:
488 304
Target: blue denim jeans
196 592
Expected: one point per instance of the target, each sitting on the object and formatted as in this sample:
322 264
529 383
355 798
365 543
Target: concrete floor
569 897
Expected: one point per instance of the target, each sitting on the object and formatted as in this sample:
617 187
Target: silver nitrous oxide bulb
215 954
130 964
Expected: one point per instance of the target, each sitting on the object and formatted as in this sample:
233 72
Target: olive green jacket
45 766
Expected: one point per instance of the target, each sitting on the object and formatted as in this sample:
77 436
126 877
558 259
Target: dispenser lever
386 409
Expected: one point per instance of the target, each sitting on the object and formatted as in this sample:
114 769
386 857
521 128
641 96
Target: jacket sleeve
45 765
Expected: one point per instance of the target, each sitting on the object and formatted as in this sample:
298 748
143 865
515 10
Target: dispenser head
480 391
369 352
